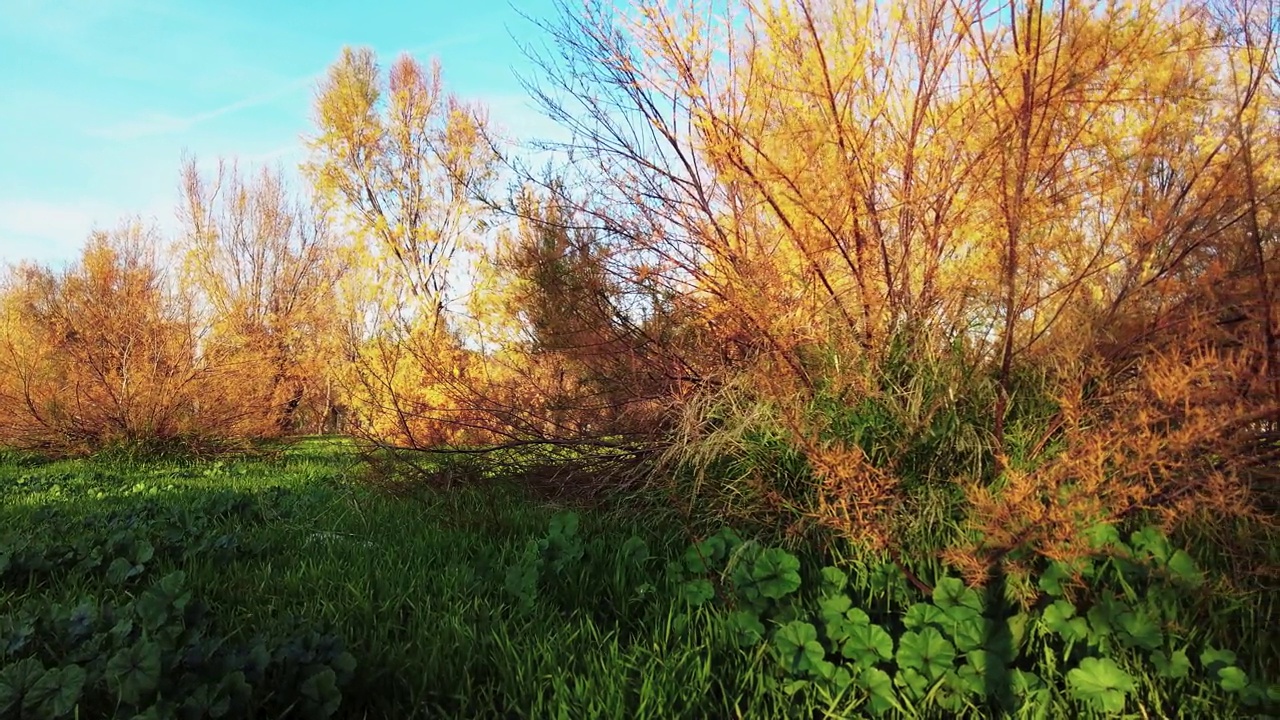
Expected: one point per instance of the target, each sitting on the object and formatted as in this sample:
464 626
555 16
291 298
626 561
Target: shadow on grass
998 676
416 591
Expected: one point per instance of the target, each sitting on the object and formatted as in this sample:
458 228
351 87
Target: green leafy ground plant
282 586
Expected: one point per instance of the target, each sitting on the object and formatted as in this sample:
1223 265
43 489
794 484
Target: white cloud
54 232
45 231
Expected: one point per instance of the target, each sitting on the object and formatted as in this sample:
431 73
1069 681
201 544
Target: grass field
282 585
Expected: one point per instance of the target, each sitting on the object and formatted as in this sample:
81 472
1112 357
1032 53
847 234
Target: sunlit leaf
797 647
926 651
1100 683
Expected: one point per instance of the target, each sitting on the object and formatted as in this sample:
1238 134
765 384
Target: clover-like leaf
1024 683
564 524
121 570
952 592
913 682
746 628
1101 684
840 625
122 630
983 674
857 617
634 551
975 681
56 693
714 549
1104 616
867 645
16 681
1233 679
134 672
1175 665
834 580
1255 693
951 692
729 540
1010 636
1214 660
1138 629
887 579
1185 569
1129 570
15 633
921 615
143 552
926 651
698 591
676 569
792 687
774 574
961 614
171 585
879 686
206 701
1151 541
1055 579
562 547
236 687
1163 601
832 609
971 634
695 561
1060 618
1103 536
842 679
321 689
521 582
152 609
798 648
80 622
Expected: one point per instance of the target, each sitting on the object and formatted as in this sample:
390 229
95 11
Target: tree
1058 191
104 353
266 267
406 162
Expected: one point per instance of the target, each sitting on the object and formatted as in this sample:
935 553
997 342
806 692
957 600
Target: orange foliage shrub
106 354
1069 192
1012 259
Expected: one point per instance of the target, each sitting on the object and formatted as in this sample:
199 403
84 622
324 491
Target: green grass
473 603
414 587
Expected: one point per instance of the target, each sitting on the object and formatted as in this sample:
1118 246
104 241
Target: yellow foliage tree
402 163
265 268
1079 191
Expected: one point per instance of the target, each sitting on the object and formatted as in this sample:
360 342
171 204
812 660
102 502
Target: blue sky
100 98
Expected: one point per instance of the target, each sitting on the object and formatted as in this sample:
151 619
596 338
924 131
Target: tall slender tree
265 265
